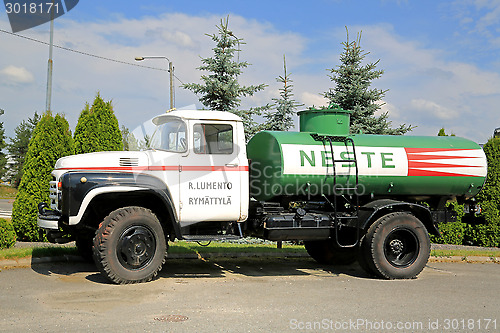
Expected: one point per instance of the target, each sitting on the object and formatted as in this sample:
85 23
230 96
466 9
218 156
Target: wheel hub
139 248
136 247
401 247
396 246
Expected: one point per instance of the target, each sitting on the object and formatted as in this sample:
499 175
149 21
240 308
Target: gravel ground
41 244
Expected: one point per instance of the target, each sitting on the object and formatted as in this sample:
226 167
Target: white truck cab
201 156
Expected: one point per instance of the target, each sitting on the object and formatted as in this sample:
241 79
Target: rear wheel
325 252
363 256
130 245
396 246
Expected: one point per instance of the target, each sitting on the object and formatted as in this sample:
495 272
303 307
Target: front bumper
48 219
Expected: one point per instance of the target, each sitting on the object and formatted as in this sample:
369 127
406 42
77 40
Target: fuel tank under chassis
323 158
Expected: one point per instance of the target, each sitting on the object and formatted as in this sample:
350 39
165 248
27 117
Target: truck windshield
170 136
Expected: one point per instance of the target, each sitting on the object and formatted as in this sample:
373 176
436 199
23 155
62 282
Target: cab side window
213 139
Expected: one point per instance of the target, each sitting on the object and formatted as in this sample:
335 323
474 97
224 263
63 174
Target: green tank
323 158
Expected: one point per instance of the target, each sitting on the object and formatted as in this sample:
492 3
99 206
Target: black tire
325 252
396 246
84 247
130 246
363 255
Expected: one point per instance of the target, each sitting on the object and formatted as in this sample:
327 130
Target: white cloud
479 22
489 14
14 74
309 99
433 109
137 93
390 109
178 37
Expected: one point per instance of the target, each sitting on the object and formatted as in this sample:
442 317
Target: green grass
465 253
7 192
36 252
221 247
182 247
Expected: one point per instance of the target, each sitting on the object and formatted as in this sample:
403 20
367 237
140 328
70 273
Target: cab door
210 174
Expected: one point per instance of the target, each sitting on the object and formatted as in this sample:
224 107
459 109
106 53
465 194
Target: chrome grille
129 162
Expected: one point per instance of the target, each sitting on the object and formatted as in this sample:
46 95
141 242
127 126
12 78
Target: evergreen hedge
97 129
452 232
487 234
7 234
489 199
51 140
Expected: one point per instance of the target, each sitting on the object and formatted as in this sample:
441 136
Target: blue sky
440 57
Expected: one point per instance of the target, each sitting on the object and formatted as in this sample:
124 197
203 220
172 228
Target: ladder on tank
354 201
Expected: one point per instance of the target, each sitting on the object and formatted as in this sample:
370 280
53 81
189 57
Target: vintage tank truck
371 198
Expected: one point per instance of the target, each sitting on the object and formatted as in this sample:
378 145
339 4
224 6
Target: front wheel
130 245
396 246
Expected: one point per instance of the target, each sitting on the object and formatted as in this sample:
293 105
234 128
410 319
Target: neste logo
26 14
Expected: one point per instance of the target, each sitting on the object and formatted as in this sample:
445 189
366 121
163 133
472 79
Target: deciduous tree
443 133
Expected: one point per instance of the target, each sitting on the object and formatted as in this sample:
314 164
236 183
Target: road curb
466 259
28 262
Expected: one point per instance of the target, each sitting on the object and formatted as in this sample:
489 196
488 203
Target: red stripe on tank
417 167
419 172
418 164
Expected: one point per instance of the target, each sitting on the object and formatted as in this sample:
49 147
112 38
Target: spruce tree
249 122
18 147
97 128
51 140
284 107
220 89
352 91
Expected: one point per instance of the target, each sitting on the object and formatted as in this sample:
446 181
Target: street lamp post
170 70
50 63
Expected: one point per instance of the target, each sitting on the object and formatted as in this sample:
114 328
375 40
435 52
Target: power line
89 54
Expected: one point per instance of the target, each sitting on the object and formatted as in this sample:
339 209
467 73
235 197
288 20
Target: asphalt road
6 207
251 295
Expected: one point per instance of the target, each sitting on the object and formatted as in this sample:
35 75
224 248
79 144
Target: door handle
231 165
